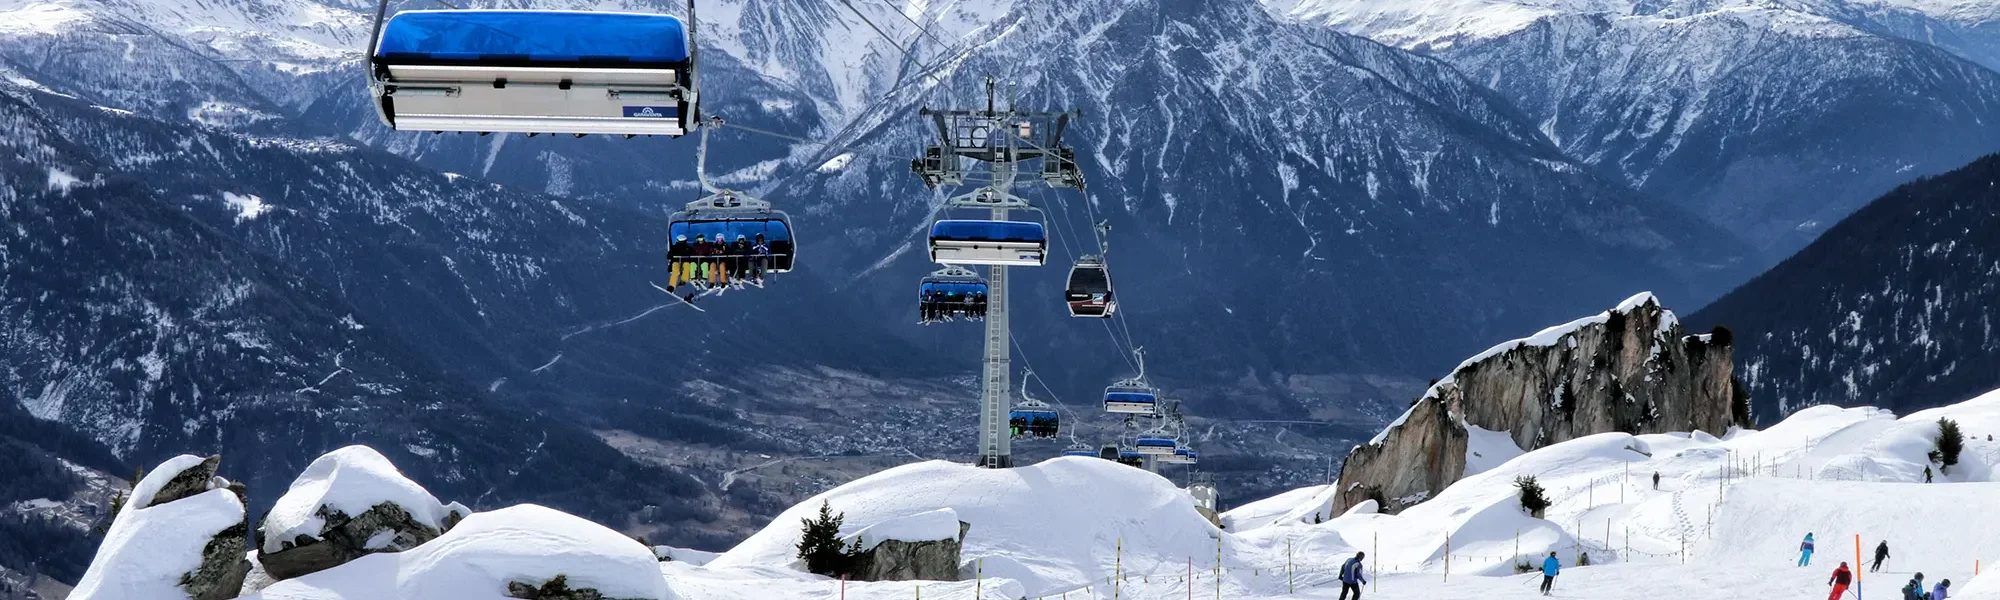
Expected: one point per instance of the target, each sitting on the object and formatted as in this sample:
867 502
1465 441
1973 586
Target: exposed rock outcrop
924 546
350 503
180 535
1631 369
553 589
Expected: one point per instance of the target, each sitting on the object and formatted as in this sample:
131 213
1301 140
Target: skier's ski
675 296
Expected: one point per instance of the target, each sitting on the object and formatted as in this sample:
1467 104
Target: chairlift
986 242
716 239
533 71
1181 456
1089 291
949 293
1131 458
1033 418
1079 449
1131 397
1156 441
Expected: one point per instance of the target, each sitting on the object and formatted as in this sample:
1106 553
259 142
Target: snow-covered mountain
1629 517
1774 119
1892 306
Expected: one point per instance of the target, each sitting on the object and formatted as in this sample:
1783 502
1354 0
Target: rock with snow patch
348 504
181 535
1631 369
923 546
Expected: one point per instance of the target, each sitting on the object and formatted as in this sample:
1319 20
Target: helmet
739 237
682 238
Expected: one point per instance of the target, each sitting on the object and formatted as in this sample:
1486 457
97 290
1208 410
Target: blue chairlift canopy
534 36
955 288
1145 441
989 231
1133 397
1084 452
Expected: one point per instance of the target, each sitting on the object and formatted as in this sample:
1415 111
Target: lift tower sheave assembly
1001 140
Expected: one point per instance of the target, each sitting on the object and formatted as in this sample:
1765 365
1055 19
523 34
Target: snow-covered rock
178 537
484 554
347 504
1052 526
1632 369
925 546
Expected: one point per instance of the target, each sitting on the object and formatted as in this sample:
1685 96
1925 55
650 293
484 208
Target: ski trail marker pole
1857 566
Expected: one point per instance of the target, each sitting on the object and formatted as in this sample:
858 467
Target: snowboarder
1841 577
1914 590
1927 474
1938 593
698 268
760 259
1353 576
1881 553
1551 567
1805 551
739 257
1656 481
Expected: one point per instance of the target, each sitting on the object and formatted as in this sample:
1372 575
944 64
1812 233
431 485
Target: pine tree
1533 497
820 545
1950 441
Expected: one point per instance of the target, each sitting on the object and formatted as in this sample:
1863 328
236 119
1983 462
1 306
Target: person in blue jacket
1353 576
1550 568
1805 551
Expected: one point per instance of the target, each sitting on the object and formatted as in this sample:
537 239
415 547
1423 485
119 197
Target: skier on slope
1841 578
1353 576
1914 590
1656 481
1805 550
1881 553
1550 568
1927 474
1939 592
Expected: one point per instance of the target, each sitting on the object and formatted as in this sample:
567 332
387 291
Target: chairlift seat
534 71
980 242
1130 402
1156 445
774 225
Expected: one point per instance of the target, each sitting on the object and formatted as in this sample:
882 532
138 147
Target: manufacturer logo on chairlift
650 112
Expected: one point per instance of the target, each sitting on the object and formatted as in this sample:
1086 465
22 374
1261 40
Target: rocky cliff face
1631 369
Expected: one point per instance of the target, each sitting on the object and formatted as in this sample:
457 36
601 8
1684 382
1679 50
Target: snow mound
1292 507
350 480
684 555
478 558
1052 526
147 549
928 526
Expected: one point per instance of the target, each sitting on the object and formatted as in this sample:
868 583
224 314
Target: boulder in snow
485 555
179 537
348 504
922 546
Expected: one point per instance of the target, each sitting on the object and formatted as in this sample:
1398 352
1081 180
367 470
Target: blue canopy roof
535 36
1129 397
988 231
1155 441
1032 414
954 288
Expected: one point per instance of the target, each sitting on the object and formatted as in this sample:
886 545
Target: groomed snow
146 550
477 559
350 480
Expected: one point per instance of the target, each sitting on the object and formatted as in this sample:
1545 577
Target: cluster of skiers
941 305
705 264
1842 577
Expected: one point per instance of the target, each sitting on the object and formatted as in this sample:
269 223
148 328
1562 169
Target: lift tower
1003 140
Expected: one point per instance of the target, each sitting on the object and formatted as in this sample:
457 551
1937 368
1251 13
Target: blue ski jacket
1352 573
1551 566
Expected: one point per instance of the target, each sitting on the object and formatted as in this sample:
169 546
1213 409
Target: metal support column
995 440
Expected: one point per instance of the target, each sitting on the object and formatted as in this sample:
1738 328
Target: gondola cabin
1089 291
1002 243
1130 401
534 71
1154 443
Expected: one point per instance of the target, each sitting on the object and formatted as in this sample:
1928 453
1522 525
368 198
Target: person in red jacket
1841 578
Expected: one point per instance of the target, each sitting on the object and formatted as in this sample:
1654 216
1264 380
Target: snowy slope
349 481
477 559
